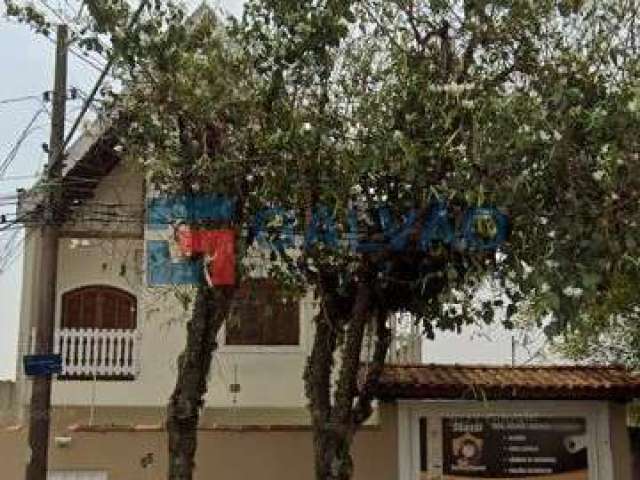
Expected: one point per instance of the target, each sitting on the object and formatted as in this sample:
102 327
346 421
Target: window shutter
288 326
127 311
243 327
89 316
98 307
109 311
261 318
72 310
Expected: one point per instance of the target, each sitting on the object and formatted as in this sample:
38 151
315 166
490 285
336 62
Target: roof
478 382
91 158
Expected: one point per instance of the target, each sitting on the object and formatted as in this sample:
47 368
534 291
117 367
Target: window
99 307
423 445
261 315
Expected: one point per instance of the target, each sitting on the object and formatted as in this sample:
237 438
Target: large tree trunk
318 389
335 422
210 309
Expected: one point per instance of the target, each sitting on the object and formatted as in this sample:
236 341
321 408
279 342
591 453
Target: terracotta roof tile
508 383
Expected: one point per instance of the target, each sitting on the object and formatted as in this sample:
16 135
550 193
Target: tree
185 94
530 107
181 88
615 341
370 129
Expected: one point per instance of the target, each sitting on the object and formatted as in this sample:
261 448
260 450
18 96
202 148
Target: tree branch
348 377
363 408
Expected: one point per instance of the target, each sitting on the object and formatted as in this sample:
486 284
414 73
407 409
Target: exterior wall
7 402
7 390
381 451
620 442
223 455
28 312
112 254
268 376
116 208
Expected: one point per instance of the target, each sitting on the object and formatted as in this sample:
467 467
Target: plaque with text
515 447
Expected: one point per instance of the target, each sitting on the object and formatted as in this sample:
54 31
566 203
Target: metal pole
92 412
40 406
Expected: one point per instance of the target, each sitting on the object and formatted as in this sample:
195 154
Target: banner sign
509 448
211 249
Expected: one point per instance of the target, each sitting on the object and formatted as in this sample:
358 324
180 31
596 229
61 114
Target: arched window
99 307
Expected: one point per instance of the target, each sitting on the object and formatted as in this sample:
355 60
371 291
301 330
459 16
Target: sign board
42 365
510 448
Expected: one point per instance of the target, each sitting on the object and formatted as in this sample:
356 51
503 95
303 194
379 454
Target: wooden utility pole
40 406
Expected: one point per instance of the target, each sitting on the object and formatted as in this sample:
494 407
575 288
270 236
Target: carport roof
479 382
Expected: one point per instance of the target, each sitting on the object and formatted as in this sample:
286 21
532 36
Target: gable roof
89 159
479 382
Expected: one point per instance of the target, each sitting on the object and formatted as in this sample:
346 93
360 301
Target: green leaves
509 104
29 15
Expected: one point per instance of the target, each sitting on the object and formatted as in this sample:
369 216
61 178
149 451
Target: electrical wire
55 13
101 78
6 163
79 56
8 260
7 101
13 178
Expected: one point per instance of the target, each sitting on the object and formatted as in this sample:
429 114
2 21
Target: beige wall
222 455
119 195
7 403
235 455
28 312
7 390
269 377
620 442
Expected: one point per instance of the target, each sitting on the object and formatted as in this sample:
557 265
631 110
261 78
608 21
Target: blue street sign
42 365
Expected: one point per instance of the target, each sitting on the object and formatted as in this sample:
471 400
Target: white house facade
119 340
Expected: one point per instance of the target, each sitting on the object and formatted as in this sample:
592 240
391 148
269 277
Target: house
119 340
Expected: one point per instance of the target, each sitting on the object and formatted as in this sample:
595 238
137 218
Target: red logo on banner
218 247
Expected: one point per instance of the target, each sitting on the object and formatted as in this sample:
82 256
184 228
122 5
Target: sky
28 72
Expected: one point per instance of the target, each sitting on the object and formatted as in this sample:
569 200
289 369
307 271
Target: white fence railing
98 353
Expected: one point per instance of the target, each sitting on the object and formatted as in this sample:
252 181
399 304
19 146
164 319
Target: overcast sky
28 69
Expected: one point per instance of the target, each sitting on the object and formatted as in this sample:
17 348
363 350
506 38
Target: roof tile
508 383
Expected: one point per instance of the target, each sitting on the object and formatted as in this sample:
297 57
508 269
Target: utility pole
40 406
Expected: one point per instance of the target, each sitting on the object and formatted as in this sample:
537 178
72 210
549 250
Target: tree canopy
364 124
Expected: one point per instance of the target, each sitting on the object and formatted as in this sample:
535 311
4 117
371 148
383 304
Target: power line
56 13
20 99
13 178
103 75
80 56
76 54
21 138
86 60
